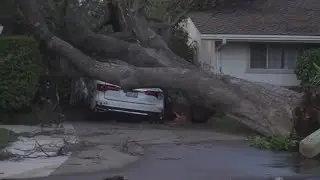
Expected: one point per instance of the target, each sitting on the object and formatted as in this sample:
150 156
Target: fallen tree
150 63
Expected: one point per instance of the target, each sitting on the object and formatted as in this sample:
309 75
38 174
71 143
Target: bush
180 45
276 143
305 69
20 68
315 81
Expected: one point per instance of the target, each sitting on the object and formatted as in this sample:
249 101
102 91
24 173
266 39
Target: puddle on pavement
204 161
296 162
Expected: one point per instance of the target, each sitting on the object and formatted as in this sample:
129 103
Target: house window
273 56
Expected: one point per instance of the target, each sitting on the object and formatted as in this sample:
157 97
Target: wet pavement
216 160
176 154
223 160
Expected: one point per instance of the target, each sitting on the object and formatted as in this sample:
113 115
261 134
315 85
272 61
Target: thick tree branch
242 97
137 5
227 93
62 66
150 39
102 22
78 34
241 101
34 18
124 36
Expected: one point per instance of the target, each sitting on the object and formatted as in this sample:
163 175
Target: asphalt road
177 154
205 161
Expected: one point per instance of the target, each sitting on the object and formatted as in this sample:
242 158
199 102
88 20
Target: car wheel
160 119
156 119
92 115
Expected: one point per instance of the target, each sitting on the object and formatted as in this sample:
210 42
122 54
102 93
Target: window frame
265 70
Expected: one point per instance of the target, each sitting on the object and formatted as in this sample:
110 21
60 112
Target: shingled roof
262 17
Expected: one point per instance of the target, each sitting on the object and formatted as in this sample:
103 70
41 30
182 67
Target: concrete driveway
144 152
106 146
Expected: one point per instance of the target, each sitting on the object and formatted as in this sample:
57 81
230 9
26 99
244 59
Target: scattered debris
40 143
170 158
5 155
180 119
278 178
131 147
115 178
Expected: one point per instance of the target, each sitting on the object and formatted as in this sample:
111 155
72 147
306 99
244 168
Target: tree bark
263 107
268 113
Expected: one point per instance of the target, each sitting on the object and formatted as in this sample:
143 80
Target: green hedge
305 69
20 68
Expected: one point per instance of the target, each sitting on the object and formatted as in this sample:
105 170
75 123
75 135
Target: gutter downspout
218 56
224 42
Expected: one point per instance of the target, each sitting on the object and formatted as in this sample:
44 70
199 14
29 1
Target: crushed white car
106 97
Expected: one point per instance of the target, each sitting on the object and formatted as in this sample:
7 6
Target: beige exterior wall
233 59
206 56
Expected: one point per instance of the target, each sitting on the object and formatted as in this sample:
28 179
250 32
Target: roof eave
261 38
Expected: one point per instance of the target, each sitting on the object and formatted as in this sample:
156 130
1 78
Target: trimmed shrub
305 69
20 68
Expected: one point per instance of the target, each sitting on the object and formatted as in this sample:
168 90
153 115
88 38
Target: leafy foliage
315 81
19 71
92 10
305 70
181 44
170 12
277 143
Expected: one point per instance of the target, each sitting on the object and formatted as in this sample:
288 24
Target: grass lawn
6 137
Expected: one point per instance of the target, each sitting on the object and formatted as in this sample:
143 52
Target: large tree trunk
263 107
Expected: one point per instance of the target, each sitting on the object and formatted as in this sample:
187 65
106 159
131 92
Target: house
257 40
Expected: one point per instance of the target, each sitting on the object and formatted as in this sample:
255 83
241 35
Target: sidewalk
37 152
